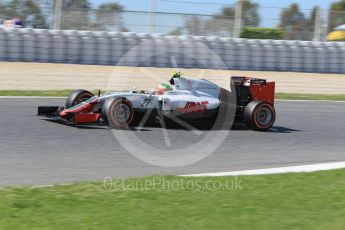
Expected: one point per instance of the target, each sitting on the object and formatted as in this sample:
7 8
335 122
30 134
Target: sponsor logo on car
192 106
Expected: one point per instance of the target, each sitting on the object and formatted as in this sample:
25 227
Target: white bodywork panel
187 95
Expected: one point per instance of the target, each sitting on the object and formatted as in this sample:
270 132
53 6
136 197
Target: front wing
53 112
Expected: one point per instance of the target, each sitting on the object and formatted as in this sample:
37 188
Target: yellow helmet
177 74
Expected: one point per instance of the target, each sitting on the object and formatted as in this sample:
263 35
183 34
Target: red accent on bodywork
263 92
85 108
86 118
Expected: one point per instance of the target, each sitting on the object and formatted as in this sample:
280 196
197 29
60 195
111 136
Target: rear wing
252 89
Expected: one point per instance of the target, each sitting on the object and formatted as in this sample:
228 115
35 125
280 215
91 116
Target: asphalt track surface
35 151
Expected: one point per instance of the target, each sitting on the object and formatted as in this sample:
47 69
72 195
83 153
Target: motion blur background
242 35
307 20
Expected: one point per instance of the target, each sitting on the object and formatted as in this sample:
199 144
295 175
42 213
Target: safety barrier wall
133 49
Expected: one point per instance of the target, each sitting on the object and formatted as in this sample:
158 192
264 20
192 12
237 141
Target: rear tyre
118 113
76 97
259 115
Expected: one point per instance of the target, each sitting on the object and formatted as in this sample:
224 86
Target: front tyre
118 113
77 96
259 115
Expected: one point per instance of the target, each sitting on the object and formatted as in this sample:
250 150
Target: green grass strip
39 93
297 96
281 201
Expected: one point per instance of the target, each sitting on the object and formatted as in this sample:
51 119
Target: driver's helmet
162 88
177 74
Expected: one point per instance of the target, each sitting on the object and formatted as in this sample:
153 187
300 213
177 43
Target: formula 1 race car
251 101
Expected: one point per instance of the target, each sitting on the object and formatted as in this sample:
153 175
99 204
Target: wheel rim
264 116
76 102
122 113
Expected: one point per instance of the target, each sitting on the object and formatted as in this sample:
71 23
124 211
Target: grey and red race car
250 101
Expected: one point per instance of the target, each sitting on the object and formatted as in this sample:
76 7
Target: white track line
49 185
41 186
290 169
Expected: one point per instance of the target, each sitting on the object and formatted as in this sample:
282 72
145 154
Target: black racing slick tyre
118 113
77 96
259 116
